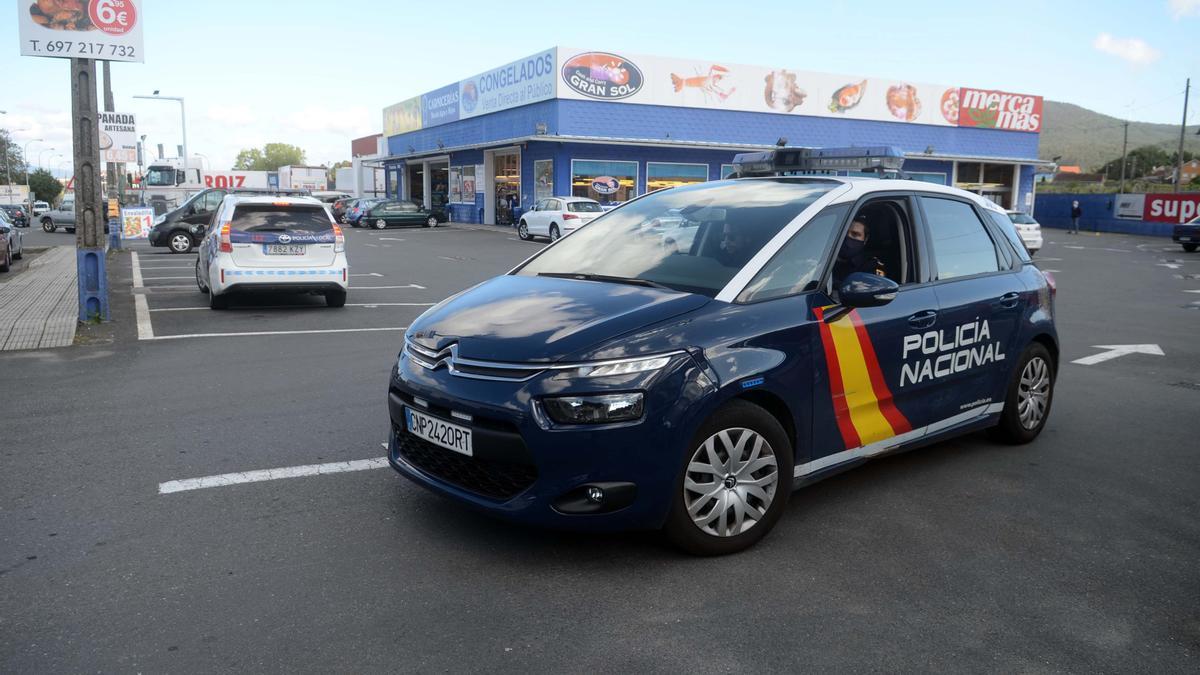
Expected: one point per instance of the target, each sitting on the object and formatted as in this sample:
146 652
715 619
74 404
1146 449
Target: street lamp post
25 157
183 122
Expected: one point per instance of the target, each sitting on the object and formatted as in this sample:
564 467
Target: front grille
487 478
430 359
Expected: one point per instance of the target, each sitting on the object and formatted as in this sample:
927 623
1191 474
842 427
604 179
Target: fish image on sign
602 76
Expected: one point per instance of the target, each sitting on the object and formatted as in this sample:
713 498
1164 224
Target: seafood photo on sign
903 103
61 14
950 105
782 92
712 84
847 96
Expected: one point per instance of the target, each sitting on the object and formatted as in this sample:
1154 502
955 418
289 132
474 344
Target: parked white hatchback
556 217
1028 229
265 244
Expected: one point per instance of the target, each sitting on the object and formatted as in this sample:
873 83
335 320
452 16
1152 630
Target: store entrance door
506 178
416 183
439 184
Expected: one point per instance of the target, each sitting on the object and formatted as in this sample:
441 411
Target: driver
734 250
852 256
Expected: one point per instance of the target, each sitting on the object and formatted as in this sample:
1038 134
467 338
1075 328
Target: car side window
961 244
405 207
797 266
1005 225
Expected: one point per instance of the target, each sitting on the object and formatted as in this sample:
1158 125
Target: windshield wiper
632 281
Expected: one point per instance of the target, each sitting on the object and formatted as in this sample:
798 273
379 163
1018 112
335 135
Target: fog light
595 495
598 409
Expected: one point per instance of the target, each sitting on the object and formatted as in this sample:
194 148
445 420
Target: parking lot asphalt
1076 553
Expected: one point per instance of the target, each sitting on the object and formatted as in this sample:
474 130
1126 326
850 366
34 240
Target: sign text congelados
516 73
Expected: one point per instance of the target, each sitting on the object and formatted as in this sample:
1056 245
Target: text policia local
958 349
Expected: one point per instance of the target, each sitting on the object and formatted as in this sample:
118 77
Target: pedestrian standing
1076 214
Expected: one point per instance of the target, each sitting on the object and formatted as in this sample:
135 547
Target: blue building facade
491 167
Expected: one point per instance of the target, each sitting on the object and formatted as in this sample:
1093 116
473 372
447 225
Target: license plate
449 436
283 249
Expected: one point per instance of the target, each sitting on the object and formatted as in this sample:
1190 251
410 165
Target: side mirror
861 289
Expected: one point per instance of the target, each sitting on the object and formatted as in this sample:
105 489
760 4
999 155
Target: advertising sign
999 110
118 138
1171 208
136 222
478 179
522 82
439 106
108 30
601 75
402 117
1130 207
606 185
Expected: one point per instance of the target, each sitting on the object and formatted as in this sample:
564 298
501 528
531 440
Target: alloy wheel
380 224
432 222
1033 392
730 482
181 243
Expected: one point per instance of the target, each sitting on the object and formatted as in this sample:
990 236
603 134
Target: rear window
584 207
274 218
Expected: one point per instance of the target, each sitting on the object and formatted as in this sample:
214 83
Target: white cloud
1182 8
1133 50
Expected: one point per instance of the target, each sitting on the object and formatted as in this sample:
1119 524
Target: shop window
456 184
663 175
543 179
927 177
604 181
727 170
468 184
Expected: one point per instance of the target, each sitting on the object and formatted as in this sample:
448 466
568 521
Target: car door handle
923 319
1008 300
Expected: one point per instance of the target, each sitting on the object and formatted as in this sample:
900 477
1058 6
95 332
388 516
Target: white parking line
166 267
348 304
380 288
367 274
140 307
164 278
259 333
270 474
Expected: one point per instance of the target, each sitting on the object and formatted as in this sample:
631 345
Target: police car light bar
795 161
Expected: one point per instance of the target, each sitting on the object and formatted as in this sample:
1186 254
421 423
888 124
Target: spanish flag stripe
837 393
870 422
883 395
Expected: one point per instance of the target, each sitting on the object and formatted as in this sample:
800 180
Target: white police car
270 245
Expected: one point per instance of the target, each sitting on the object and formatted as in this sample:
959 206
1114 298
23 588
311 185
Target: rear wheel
6 261
19 254
180 242
1030 393
217 301
335 298
48 225
431 222
554 235
735 484
1190 248
380 224
200 283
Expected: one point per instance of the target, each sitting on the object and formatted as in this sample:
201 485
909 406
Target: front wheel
735 483
432 222
523 231
48 225
1030 393
1190 248
180 242
380 224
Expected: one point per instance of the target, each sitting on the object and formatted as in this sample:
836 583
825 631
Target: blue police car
623 379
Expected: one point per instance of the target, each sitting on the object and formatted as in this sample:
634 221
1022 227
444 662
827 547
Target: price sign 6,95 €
106 30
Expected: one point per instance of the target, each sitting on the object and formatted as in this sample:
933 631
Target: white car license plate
434 430
283 249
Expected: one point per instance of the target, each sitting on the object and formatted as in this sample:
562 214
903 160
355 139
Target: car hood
540 319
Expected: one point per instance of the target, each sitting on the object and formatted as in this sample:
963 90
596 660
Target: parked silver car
13 240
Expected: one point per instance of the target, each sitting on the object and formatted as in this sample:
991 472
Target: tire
1028 380
431 222
554 235
200 283
20 253
180 242
729 424
6 263
217 301
523 231
48 225
1190 248
335 298
355 224
380 224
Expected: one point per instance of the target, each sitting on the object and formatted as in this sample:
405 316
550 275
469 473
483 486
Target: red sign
115 17
1171 208
999 110
223 181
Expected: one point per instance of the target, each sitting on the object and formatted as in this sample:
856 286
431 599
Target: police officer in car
852 256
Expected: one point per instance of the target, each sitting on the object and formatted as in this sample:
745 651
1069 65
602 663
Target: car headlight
595 409
623 367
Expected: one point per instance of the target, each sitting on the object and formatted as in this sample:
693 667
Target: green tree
269 158
11 159
44 186
1140 160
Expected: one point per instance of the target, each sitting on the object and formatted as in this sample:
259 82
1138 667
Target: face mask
852 248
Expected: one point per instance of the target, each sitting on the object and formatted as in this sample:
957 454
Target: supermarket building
614 126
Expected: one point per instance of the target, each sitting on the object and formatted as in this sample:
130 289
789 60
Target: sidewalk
39 307
506 229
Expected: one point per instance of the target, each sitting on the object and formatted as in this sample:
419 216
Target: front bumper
530 470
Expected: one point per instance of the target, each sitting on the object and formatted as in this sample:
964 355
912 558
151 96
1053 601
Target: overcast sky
317 74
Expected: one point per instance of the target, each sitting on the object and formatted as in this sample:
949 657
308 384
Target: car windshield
733 220
160 176
584 207
281 218
1021 219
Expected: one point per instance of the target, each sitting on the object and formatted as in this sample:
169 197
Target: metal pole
25 160
89 220
110 169
183 121
1124 147
1182 128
